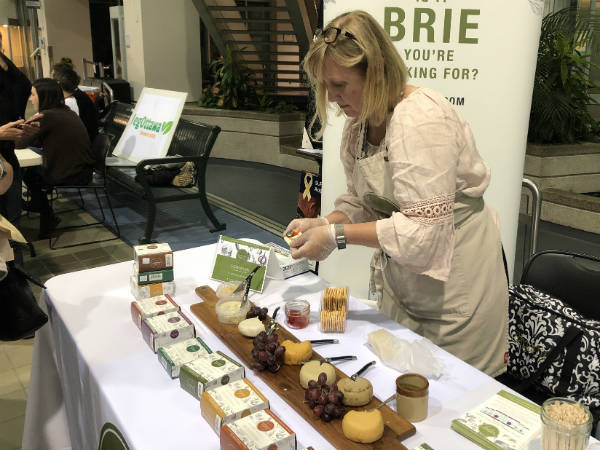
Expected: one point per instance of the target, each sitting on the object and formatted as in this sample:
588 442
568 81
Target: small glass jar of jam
297 313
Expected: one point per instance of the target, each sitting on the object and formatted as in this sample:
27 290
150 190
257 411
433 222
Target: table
91 367
28 158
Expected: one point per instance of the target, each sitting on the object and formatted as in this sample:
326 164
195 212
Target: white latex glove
315 244
306 224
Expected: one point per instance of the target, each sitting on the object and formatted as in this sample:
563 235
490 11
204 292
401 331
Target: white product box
150 307
166 329
173 356
209 372
227 403
151 290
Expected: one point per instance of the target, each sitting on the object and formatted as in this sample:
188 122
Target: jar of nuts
566 424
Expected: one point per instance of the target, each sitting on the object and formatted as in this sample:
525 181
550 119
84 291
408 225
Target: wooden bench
191 142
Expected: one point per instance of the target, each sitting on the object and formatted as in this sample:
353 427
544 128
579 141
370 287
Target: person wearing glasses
415 182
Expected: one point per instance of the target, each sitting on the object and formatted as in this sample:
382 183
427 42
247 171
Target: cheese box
151 257
166 329
288 265
262 430
157 276
209 372
228 403
151 290
150 307
173 356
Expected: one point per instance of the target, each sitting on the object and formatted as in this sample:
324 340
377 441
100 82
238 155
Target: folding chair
100 147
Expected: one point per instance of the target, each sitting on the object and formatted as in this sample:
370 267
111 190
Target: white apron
467 315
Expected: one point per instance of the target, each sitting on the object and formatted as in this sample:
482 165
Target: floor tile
23 374
11 433
90 253
20 352
9 383
4 362
12 405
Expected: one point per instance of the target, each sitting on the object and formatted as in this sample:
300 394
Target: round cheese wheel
363 426
356 393
251 327
296 352
311 371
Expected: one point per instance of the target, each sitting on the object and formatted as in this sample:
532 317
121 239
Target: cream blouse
433 156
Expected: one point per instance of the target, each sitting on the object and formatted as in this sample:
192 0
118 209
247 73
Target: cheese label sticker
155 289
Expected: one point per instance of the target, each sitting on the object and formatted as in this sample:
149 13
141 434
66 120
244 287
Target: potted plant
559 112
254 127
563 153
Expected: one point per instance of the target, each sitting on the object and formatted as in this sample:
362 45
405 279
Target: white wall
134 46
163 40
66 32
8 10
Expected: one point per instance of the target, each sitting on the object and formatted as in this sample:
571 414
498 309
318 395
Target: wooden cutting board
286 382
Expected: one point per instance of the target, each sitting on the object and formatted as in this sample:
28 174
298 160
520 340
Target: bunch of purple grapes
324 400
256 311
267 353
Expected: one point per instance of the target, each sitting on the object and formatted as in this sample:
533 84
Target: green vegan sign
148 124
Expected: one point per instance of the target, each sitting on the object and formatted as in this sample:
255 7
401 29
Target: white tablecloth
99 370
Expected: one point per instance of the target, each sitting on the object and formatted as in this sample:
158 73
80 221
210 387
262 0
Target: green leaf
166 127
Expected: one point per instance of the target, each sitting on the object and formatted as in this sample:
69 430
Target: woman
75 99
67 157
414 191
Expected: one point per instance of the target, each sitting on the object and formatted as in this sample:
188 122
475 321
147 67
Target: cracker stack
152 271
333 310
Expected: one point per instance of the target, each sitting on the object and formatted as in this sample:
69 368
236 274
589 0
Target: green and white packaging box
157 276
173 356
209 372
262 430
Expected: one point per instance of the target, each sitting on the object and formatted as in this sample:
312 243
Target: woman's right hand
305 224
11 131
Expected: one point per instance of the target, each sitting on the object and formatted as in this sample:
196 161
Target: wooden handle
207 294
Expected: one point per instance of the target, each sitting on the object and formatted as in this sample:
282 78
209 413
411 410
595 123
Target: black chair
191 142
116 119
100 148
571 277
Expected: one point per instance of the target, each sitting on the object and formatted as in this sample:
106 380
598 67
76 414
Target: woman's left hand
316 243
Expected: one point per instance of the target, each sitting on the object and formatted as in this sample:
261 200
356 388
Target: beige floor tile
12 405
4 361
9 382
23 374
11 433
20 352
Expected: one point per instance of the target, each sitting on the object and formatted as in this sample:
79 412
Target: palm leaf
560 95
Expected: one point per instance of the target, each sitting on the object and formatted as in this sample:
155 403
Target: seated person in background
75 99
67 156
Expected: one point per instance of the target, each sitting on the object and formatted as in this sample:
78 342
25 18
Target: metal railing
535 215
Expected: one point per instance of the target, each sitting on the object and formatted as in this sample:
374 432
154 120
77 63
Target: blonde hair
372 52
